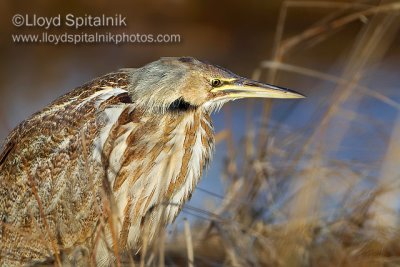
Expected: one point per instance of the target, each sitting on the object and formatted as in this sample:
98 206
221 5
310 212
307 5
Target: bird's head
181 83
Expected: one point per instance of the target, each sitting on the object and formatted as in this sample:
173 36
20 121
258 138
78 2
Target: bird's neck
154 161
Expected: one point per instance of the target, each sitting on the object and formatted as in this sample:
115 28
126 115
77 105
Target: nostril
252 83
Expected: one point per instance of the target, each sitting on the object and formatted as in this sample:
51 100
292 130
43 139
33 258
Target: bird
109 164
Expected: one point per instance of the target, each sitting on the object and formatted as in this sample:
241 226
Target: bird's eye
216 82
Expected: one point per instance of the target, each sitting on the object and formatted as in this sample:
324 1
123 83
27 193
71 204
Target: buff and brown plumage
120 153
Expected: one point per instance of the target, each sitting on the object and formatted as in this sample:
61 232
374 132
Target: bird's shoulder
114 80
68 113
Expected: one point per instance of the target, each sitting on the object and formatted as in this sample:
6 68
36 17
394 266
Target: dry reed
272 212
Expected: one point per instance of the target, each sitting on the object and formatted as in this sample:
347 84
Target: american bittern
120 153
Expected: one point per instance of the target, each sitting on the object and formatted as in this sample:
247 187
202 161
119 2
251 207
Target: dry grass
276 208
275 211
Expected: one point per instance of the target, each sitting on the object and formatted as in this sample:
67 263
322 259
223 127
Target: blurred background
311 182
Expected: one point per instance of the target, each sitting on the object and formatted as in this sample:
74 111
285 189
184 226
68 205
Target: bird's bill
248 88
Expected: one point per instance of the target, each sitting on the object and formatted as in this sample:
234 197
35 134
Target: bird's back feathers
55 168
